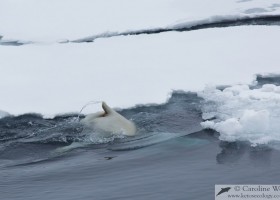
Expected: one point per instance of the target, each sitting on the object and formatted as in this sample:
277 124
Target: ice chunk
3 114
244 114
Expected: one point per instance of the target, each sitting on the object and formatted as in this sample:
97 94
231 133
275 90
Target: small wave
151 139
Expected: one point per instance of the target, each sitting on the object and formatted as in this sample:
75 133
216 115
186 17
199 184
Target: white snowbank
125 71
52 20
243 114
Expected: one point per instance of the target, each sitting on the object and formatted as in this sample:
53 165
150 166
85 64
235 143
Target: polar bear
109 121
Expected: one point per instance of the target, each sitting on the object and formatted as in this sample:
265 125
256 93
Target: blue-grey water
170 158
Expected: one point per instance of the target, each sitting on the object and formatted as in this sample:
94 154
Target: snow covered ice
126 71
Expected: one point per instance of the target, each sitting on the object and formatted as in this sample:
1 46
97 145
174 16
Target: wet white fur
109 121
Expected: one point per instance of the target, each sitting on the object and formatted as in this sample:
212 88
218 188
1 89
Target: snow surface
244 114
125 71
58 20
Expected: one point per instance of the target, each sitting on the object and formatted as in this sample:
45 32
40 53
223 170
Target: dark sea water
170 158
